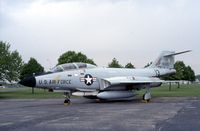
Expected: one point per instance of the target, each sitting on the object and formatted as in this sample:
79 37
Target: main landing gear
147 95
67 98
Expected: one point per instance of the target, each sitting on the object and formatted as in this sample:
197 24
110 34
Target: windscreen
72 66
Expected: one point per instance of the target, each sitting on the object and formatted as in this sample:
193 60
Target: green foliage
10 63
72 56
189 74
148 64
114 64
184 91
31 67
129 65
180 70
183 72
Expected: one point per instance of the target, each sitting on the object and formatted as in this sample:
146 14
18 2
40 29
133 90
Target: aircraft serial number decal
52 82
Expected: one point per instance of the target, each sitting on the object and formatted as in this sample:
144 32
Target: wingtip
177 53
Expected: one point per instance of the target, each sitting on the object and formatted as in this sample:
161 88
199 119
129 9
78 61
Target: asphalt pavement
161 114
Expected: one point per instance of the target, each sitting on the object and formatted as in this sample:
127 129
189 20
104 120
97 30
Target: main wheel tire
148 100
66 102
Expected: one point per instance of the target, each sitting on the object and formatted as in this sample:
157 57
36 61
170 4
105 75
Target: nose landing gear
67 98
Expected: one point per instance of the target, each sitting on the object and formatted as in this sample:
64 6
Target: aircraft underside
112 95
116 93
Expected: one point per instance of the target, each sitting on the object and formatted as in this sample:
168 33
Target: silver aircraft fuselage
104 83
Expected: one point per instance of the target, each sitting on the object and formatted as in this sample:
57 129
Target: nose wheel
67 98
67 102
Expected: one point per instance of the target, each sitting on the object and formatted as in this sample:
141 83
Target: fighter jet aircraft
102 83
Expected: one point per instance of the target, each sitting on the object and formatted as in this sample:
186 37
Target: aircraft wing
130 80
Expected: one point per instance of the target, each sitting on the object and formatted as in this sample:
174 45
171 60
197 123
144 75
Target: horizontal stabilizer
177 53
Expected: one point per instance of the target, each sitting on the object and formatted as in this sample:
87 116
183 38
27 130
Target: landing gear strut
67 98
147 95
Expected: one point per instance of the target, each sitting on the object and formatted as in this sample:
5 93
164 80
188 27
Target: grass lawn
184 90
163 91
26 93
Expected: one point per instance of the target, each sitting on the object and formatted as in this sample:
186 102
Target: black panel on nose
28 81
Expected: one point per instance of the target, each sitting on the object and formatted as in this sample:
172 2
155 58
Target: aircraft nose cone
28 81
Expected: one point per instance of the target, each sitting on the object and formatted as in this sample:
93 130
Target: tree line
12 67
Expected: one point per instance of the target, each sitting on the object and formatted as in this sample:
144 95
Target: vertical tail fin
166 60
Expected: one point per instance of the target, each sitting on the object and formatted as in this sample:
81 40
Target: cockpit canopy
72 66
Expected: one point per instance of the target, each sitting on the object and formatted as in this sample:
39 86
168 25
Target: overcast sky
131 30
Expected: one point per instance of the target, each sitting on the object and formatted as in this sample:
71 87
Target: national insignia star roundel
88 79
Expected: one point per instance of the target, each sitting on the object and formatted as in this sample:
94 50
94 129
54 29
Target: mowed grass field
163 91
26 93
184 91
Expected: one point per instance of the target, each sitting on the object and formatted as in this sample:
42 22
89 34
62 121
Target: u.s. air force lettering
52 82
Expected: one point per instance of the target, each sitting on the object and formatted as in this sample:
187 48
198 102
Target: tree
129 65
148 64
182 72
189 74
114 64
31 67
180 69
72 56
10 63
